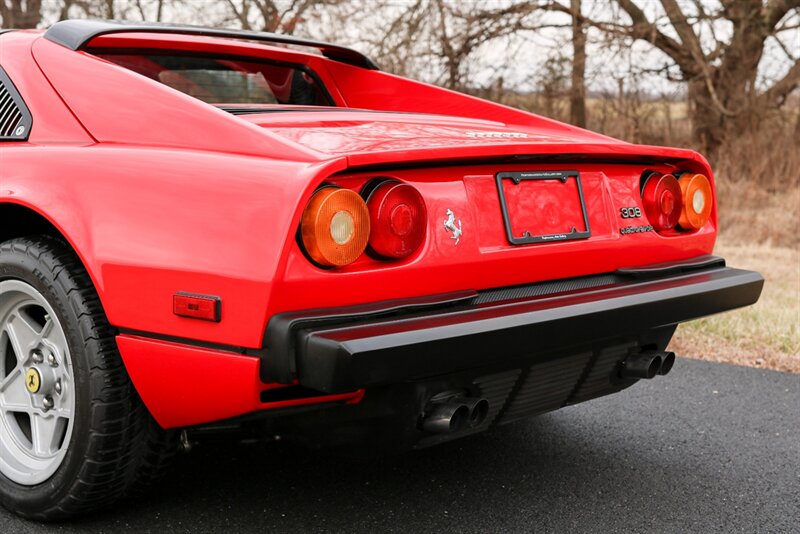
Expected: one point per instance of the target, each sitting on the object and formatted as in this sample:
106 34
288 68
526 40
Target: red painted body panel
60 126
185 386
161 193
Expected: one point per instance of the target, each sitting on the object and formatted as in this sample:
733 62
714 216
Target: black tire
154 456
111 445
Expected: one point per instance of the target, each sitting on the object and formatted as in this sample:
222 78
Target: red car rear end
303 245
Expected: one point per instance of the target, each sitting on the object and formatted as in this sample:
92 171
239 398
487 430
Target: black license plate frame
526 237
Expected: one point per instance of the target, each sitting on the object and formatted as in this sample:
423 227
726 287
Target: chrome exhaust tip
478 410
643 365
446 417
667 361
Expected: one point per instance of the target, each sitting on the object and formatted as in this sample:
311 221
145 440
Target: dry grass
750 213
758 187
758 193
765 335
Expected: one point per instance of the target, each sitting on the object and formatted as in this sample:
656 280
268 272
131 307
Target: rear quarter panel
151 222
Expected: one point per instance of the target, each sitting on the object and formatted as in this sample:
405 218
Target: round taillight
398 220
663 201
335 227
697 201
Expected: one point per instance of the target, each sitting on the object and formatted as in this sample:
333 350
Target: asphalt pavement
710 448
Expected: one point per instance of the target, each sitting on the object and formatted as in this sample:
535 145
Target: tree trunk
797 129
15 14
577 92
708 122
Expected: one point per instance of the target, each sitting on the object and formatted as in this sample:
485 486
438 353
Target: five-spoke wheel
74 434
36 386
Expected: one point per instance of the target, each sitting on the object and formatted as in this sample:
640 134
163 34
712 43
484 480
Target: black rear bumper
346 349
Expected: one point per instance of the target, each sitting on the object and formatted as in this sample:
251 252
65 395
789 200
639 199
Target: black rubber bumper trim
337 358
672 268
278 356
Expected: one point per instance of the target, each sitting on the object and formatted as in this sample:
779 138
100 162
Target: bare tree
577 91
274 15
20 13
445 35
723 88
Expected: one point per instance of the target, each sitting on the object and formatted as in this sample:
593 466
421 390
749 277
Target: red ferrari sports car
208 229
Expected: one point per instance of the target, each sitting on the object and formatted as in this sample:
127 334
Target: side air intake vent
15 119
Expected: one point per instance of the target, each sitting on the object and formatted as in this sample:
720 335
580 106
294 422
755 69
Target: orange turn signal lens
697 201
335 227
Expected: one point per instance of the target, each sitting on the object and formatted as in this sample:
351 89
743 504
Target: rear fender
149 223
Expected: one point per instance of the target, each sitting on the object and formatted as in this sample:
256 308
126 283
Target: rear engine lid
369 138
345 131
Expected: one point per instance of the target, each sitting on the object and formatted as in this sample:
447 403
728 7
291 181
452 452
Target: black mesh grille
596 382
547 386
14 117
496 389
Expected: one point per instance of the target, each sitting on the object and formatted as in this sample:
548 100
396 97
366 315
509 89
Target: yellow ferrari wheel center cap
33 380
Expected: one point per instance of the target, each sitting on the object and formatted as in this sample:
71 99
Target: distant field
765 335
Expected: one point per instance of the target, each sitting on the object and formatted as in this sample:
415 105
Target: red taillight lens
697 201
663 201
335 227
398 220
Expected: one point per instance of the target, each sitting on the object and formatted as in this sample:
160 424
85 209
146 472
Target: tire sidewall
31 499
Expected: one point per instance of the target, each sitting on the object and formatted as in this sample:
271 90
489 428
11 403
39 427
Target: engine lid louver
15 119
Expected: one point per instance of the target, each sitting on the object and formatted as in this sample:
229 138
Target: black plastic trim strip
233 349
76 34
672 268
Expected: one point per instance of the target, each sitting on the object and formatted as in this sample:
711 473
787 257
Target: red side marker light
204 307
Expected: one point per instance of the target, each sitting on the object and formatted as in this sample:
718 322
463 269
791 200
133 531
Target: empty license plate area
542 206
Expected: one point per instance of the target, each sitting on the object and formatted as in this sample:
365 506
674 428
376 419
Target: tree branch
775 95
775 10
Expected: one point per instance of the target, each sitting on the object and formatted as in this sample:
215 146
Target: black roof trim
2 31
76 34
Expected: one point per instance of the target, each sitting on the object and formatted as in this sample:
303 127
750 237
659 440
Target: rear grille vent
547 387
496 389
15 120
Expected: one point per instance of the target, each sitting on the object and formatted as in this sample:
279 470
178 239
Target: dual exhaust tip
448 412
647 364
454 414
